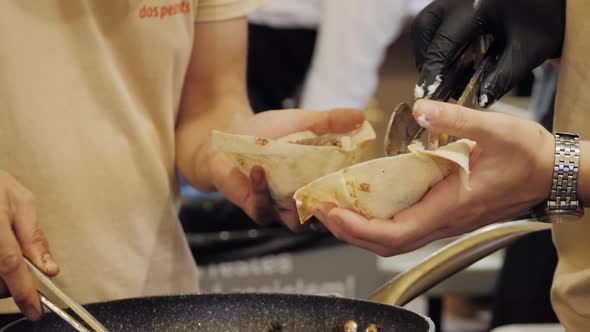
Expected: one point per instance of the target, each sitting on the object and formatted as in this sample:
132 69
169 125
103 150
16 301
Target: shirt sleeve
219 10
351 45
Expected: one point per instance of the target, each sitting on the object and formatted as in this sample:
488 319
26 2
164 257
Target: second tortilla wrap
382 187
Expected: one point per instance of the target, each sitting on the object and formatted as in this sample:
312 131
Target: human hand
511 171
525 34
251 193
20 234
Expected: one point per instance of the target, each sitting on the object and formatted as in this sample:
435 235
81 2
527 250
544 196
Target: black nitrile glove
525 33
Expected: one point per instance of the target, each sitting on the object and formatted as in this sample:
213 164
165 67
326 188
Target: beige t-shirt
89 94
571 287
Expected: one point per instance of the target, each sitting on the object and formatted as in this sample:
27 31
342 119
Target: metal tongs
466 70
89 323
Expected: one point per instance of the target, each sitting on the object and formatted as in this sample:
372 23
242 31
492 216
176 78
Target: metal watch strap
564 196
563 203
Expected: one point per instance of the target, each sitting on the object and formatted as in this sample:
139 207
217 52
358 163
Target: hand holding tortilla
511 171
381 188
282 151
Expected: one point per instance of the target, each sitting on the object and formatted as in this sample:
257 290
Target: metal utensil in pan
51 290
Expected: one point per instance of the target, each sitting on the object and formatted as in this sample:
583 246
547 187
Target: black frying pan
240 312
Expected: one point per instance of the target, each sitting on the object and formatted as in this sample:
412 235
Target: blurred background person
321 53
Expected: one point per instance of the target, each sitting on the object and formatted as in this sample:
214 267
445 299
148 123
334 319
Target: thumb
457 121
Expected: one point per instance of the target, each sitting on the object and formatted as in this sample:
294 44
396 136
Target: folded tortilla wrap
380 188
296 160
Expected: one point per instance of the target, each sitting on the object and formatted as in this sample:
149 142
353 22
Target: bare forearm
214 96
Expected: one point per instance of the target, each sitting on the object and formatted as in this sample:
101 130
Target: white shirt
353 36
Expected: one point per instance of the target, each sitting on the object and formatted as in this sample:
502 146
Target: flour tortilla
288 165
382 187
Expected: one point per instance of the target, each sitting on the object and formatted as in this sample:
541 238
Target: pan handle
453 258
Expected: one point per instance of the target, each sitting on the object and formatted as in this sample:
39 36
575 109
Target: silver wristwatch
563 203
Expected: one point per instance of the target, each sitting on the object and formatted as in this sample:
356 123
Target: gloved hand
525 33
